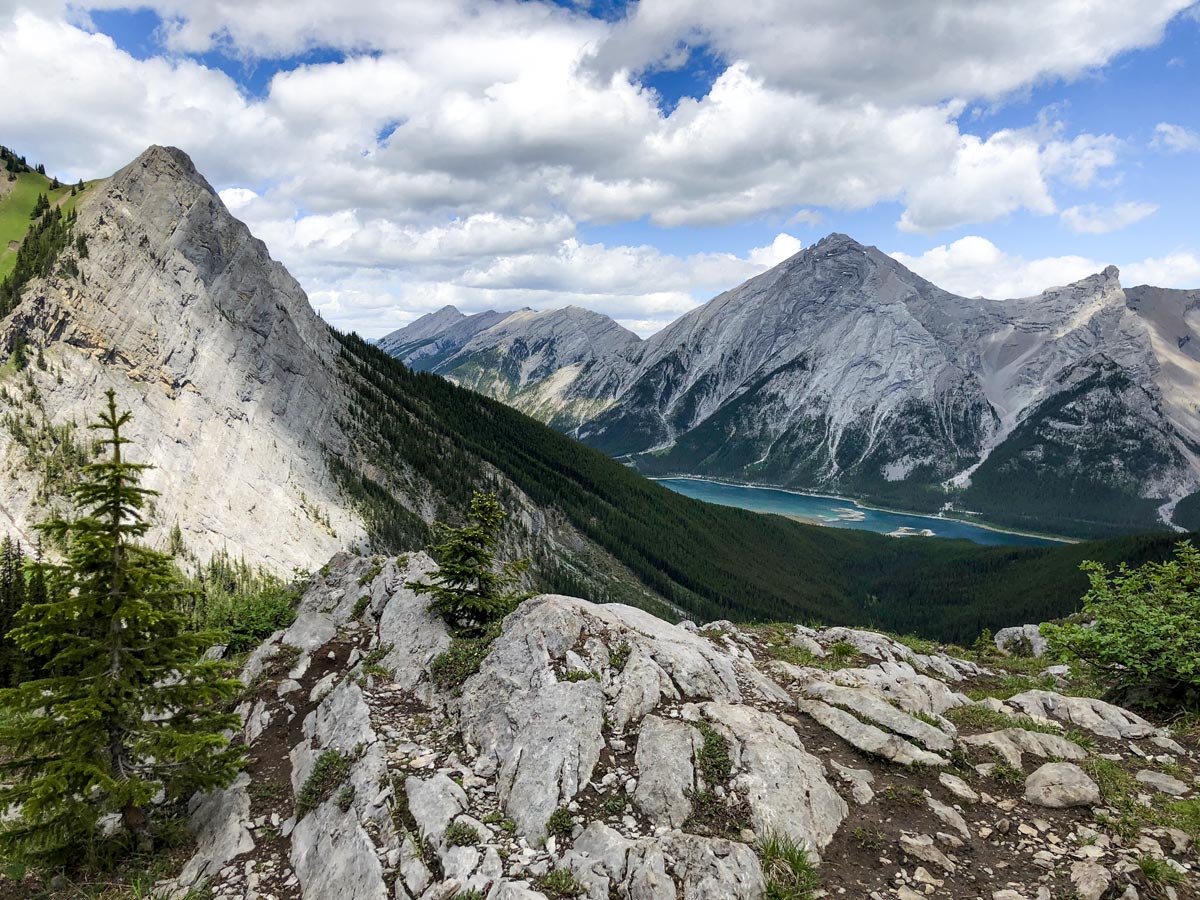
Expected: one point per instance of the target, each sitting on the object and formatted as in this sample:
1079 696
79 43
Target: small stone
959 788
921 874
920 846
1162 782
1091 880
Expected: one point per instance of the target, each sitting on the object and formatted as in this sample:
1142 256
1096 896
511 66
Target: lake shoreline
1053 538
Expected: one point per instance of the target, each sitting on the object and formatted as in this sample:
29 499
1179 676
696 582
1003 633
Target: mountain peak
837 242
158 162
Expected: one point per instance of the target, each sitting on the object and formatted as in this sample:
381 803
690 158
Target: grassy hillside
17 199
713 561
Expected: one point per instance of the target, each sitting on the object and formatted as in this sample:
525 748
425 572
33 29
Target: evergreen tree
469 589
20 357
13 595
124 706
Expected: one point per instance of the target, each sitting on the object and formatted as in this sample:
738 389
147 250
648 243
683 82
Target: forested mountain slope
282 441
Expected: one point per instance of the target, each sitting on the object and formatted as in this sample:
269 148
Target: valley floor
829 509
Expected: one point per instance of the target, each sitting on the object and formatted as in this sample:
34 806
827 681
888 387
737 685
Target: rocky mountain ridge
212 345
526 358
601 752
240 393
841 370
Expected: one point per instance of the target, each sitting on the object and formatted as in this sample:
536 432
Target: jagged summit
526 357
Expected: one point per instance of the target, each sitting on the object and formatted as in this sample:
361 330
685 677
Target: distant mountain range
283 441
1076 411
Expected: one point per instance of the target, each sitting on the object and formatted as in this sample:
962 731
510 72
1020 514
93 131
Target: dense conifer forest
710 561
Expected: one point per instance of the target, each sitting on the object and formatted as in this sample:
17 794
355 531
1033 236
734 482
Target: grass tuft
1158 872
618 656
787 870
329 771
460 834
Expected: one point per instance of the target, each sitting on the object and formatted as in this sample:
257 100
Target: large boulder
1022 640
1061 785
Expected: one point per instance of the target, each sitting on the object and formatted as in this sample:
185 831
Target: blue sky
638 157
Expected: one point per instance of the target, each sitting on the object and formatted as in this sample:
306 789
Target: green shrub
561 823
360 605
244 604
1144 629
462 659
559 884
618 656
580 675
329 771
460 834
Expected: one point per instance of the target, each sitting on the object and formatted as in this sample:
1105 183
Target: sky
637 158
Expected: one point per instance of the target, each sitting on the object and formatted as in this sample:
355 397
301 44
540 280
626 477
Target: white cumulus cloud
1093 219
974 266
457 150
1175 138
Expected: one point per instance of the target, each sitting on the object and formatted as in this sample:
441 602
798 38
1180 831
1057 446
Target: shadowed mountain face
841 370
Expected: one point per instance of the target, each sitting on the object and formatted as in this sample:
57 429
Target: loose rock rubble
601 750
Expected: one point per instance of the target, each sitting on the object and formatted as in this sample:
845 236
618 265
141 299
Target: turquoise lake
842 513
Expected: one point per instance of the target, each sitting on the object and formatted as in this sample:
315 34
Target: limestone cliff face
213 347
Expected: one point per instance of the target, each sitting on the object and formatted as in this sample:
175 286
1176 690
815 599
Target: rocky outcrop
600 749
1022 640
